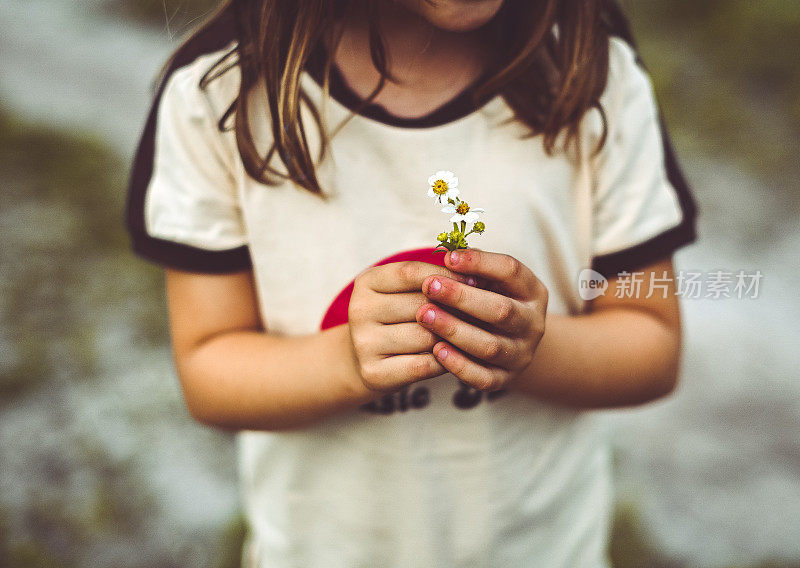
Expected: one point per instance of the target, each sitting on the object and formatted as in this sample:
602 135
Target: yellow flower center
440 187
462 208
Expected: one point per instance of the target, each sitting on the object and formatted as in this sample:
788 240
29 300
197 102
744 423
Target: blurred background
100 464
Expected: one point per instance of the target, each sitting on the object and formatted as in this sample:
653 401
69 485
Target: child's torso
437 475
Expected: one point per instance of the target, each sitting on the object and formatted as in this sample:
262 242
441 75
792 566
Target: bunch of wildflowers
443 187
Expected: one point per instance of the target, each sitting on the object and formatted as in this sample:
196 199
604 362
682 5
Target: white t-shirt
439 475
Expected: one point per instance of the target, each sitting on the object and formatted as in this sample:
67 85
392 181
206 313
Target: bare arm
235 375
625 351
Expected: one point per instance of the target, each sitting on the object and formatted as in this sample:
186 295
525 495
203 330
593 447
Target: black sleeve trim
651 250
164 252
665 243
192 259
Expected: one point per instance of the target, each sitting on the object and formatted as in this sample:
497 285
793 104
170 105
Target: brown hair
549 79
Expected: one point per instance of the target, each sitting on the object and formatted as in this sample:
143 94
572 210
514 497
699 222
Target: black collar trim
458 107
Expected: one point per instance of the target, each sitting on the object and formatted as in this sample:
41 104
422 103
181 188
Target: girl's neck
431 65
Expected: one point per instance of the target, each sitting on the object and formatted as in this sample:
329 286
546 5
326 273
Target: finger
515 278
405 338
481 377
391 373
387 308
397 308
406 276
501 312
489 347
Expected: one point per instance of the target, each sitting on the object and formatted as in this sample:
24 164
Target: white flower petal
470 217
431 193
456 218
449 209
477 210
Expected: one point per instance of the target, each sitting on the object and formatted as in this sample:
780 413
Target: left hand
508 315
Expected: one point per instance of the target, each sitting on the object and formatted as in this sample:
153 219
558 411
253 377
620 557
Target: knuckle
538 315
361 309
543 293
492 350
370 375
364 281
449 329
361 343
505 312
355 312
407 271
513 267
540 318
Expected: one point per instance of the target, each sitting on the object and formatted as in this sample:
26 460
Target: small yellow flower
443 186
444 189
463 212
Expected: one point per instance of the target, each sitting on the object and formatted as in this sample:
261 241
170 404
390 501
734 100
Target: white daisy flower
463 212
443 186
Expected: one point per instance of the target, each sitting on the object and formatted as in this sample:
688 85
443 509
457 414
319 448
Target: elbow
664 386
199 410
664 383
213 408
199 407
201 404
657 371
209 415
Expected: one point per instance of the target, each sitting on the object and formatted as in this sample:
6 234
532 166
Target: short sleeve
183 207
643 209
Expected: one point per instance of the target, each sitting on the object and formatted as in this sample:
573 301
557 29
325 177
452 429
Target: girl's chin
456 15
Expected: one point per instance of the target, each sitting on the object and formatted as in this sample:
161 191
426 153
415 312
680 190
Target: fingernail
455 257
434 286
428 316
442 354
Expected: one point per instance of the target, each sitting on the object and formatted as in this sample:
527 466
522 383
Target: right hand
391 348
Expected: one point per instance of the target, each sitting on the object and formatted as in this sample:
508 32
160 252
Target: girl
443 418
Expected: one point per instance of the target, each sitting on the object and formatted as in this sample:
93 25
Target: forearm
254 381
615 357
